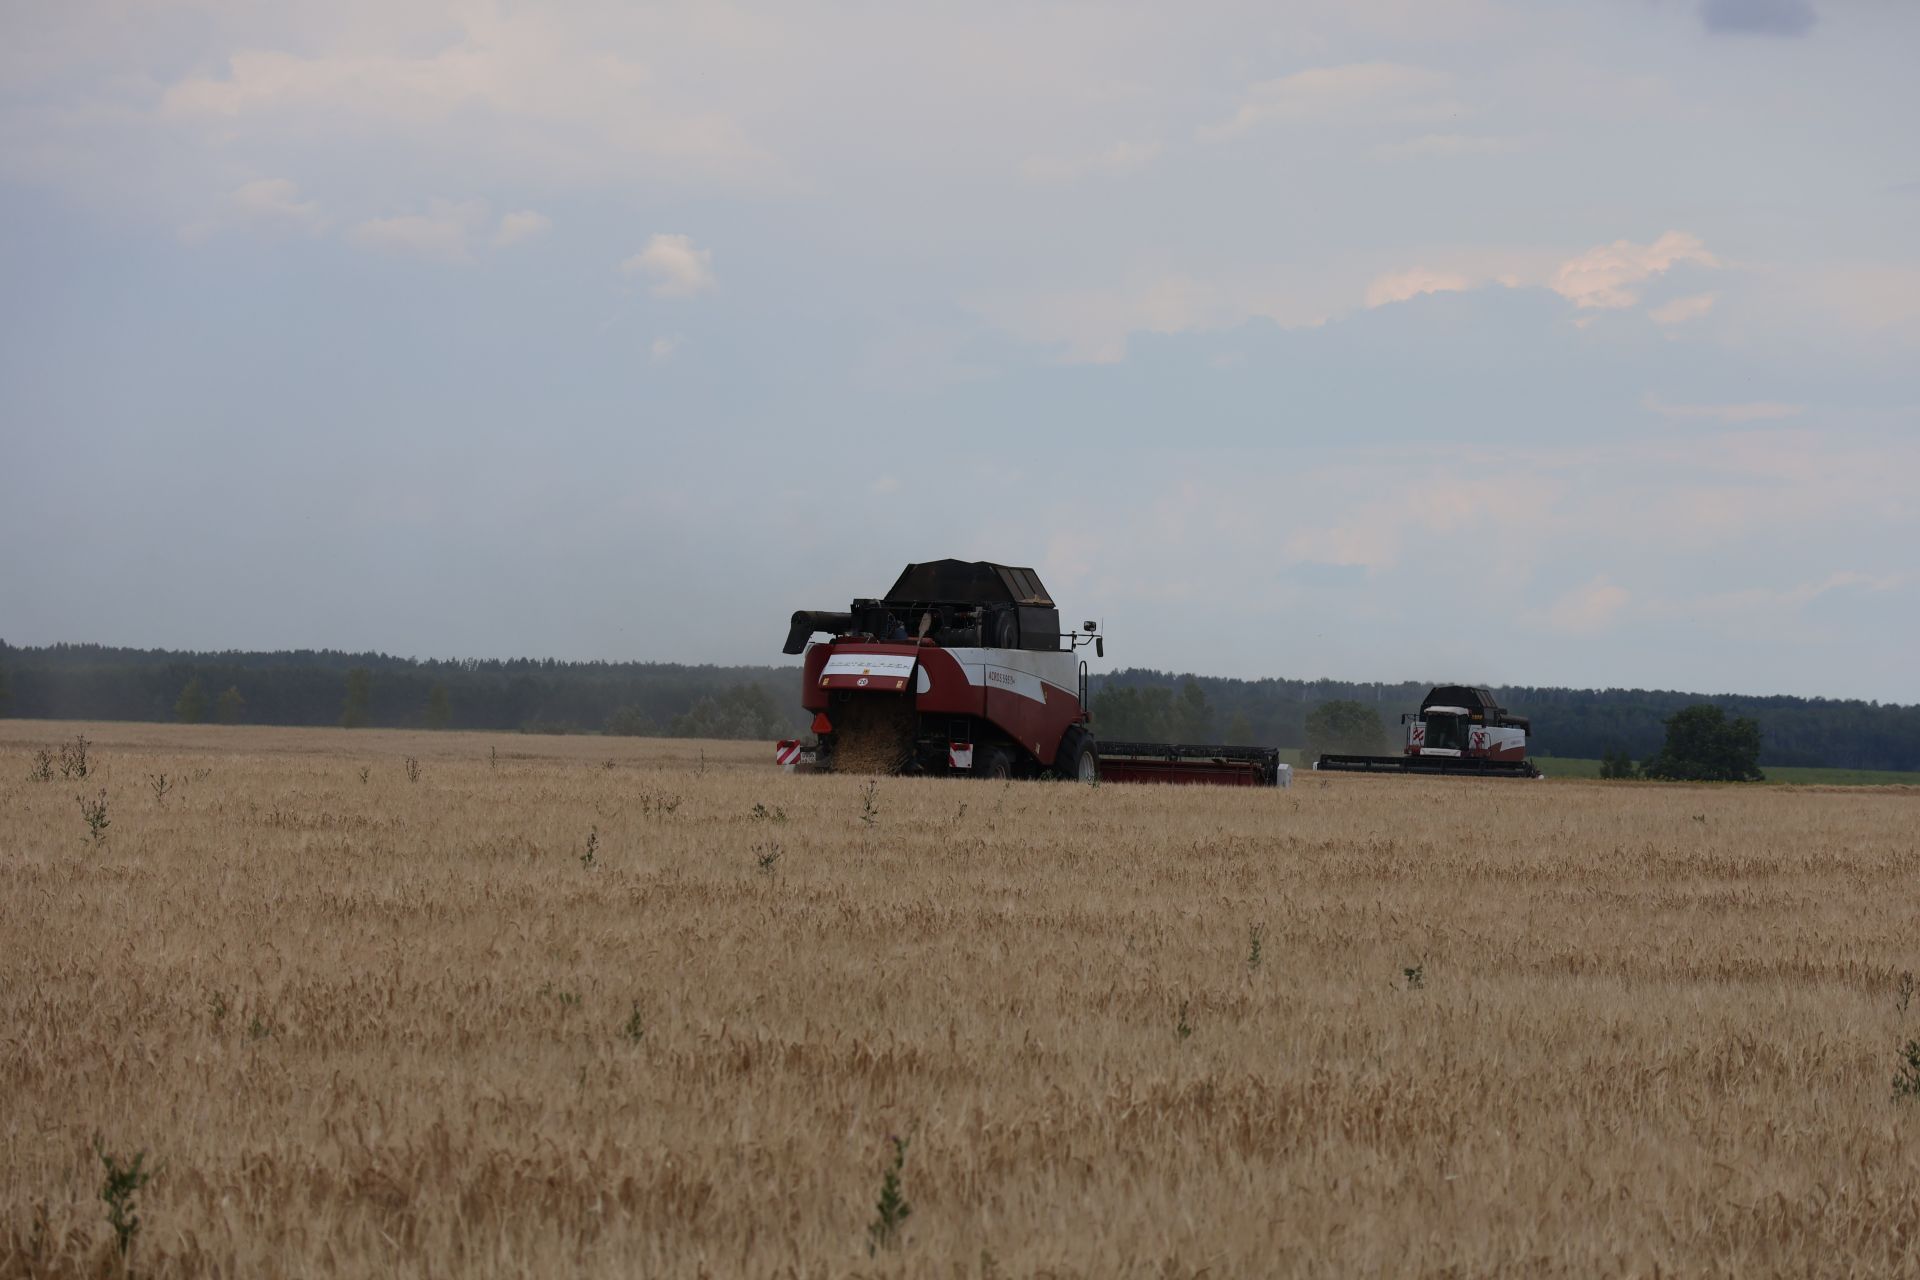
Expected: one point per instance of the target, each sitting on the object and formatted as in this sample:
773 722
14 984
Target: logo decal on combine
862 682
885 666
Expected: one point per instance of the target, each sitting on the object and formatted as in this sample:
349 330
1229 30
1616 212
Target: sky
1572 343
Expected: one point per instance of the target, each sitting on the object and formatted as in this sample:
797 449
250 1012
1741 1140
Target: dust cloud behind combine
612 1006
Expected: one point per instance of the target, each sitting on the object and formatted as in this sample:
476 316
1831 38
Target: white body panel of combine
1018 671
1023 672
1482 739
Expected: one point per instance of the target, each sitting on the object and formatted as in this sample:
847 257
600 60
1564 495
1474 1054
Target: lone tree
1704 746
230 707
1616 763
359 698
1344 727
191 707
439 708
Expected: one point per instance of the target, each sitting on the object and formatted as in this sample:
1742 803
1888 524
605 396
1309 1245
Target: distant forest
311 687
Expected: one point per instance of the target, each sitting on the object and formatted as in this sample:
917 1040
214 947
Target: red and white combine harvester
962 668
1459 730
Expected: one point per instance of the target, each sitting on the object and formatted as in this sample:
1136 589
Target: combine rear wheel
995 763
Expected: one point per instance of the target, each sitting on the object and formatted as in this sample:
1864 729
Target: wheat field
619 1007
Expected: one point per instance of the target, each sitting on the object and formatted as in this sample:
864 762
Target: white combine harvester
1459 730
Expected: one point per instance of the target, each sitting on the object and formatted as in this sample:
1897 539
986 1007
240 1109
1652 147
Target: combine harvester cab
1460 731
962 668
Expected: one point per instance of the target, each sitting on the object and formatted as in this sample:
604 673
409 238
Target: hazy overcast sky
1566 343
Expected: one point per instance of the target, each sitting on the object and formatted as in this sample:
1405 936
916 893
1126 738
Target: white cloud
277 202
443 234
1750 411
1118 160
1344 94
1681 310
1400 286
676 268
1588 608
525 225
663 349
1604 276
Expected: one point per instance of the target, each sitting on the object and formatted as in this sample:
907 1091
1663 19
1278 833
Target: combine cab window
1446 733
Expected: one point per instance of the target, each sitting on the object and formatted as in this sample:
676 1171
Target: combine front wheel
1078 760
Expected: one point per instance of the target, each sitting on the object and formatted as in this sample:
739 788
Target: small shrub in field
95 813
1181 1027
122 1183
869 812
1903 991
364 771
1256 937
413 769
217 1008
42 770
766 857
1416 976
636 1028
73 757
763 814
257 1028
593 845
892 1209
159 785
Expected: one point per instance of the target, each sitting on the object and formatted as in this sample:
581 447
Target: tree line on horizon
314 687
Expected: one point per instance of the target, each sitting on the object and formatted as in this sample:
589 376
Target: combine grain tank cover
1457 697
1477 702
968 582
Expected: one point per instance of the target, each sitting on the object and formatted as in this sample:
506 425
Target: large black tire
1078 760
994 763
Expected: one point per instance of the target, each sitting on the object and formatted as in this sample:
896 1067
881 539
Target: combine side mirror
1100 646
1087 627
